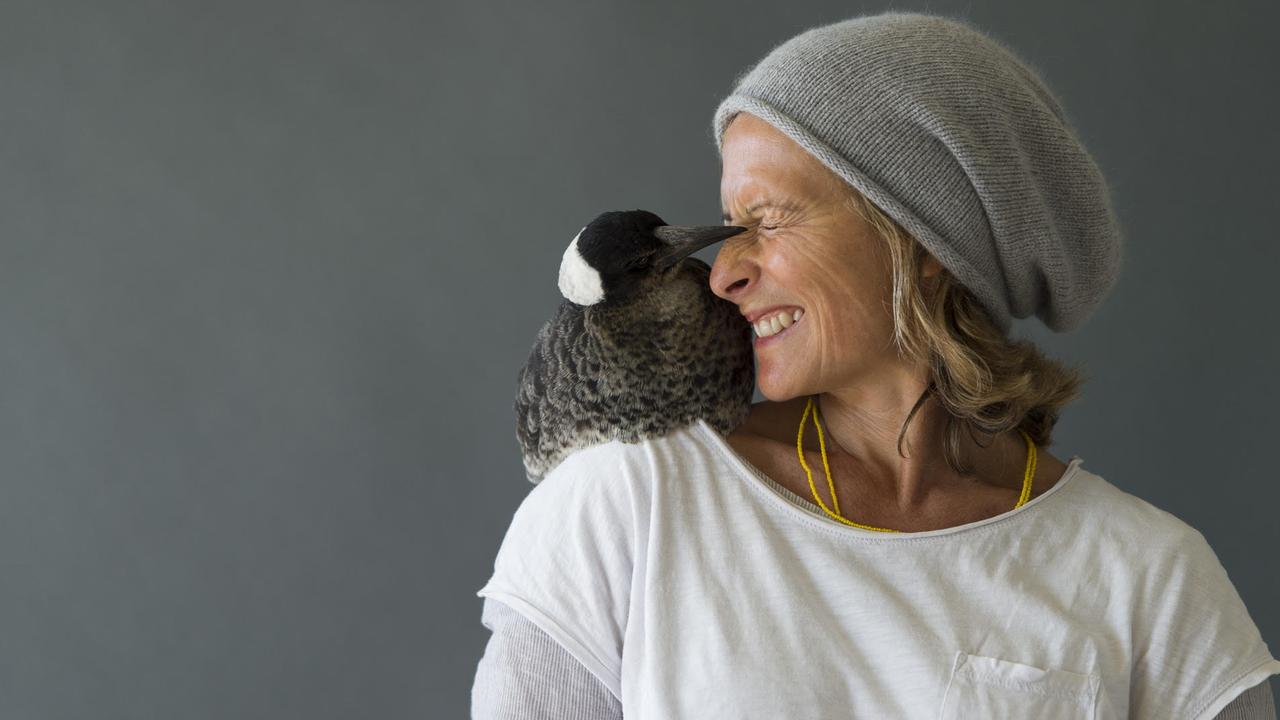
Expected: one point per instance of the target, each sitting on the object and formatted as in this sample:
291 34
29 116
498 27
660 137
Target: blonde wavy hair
986 381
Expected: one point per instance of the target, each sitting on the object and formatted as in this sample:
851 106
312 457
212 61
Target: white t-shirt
681 577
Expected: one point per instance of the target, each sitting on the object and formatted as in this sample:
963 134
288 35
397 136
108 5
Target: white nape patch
579 282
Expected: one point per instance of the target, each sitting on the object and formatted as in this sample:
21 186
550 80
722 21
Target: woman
909 186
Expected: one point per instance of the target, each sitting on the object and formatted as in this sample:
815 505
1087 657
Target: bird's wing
547 388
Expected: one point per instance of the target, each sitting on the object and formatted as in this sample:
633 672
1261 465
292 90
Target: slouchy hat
958 140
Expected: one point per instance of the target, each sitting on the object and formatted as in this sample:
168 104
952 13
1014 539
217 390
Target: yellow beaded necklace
809 407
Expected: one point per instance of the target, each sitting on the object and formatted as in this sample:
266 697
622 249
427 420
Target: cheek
791 264
850 312
820 274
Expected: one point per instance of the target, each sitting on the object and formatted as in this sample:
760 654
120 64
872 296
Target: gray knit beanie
960 142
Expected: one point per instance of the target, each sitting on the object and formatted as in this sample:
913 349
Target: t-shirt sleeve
567 558
1196 646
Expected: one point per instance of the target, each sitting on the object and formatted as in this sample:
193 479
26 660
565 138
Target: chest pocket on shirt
986 687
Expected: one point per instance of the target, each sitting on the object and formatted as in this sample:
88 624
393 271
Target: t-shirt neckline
756 478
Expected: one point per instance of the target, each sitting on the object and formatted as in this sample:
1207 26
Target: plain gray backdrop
269 269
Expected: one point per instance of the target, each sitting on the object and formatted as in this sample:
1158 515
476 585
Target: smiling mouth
776 324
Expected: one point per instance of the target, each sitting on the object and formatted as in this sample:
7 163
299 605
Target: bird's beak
686 240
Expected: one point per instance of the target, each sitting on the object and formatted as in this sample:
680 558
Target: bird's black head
615 254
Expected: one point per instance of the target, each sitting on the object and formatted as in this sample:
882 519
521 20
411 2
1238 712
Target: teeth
775 324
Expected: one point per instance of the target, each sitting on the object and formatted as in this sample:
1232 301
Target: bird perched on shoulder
639 346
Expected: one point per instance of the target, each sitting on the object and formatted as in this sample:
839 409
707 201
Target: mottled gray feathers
673 354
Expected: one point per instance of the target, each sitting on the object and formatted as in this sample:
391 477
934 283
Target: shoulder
574 533
1195 643
681 450
613 483
1170 565
1131 521
593 484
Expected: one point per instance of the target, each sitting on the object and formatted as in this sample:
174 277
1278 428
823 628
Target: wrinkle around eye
753 224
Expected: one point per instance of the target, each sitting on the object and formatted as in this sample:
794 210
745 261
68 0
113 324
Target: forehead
761 164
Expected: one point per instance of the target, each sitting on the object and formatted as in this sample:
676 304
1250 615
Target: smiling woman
862 278
909 187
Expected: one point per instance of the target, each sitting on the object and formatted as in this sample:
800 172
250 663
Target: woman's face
806 250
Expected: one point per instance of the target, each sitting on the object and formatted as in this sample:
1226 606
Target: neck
862 434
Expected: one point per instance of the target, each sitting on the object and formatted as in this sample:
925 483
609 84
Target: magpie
638 347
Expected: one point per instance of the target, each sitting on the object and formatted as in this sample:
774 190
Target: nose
732 274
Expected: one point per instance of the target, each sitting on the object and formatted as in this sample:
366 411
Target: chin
778 389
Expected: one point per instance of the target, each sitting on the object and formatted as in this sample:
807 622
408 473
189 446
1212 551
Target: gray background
269 269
